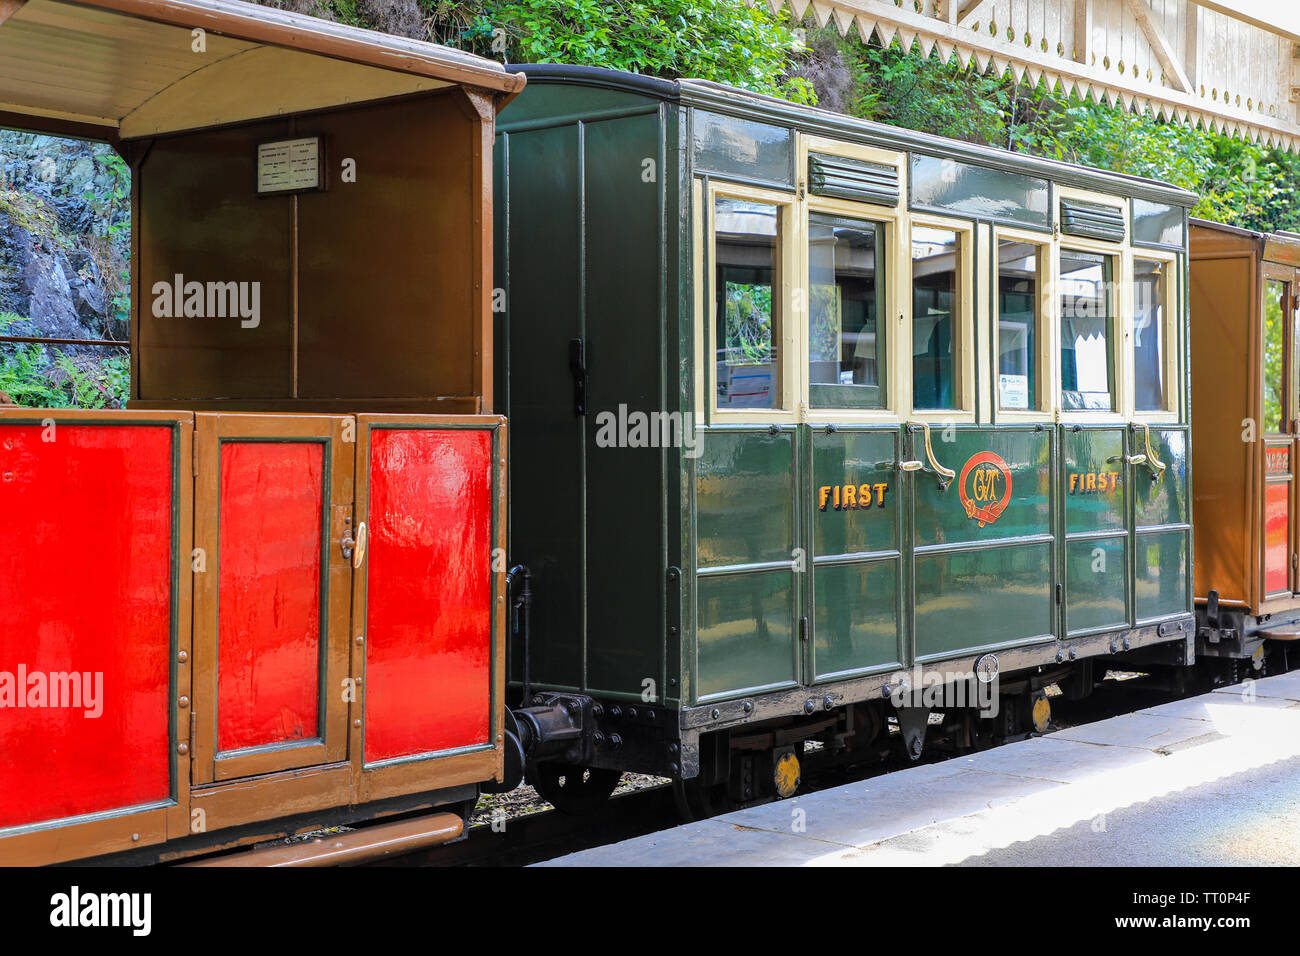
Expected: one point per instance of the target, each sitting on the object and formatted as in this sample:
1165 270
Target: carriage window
1274 334
846 340
1087 330
1149 330
747 306
1018 315
936 312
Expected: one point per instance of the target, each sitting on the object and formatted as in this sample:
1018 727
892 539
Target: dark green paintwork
544 294
625 638
855 457
856 562
940 517
856 617
1162 574
1157 223
1093 451
942 183
1096 583
626 543
746 632
1163 502
982 598
744 497
742 149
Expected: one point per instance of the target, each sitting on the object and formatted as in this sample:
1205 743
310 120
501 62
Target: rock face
64 237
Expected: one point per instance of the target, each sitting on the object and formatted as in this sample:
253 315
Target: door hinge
194 727
194 456
578 366
803 629
1060 593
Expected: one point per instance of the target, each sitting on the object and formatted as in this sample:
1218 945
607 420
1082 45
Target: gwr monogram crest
985 487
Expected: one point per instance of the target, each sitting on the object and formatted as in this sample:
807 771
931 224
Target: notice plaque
290 165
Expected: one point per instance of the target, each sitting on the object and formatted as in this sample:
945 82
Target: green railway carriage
808 410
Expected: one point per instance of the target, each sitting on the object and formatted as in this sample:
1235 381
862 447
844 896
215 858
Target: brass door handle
363 536
945 474
1149 459
909 465
1136 459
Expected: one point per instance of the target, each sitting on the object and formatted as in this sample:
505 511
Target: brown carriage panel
387 286
1224 382
199 218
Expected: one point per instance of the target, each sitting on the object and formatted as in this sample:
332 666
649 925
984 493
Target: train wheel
573 790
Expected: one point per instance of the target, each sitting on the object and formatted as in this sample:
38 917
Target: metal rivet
183 748
360 640
827 702
749 706
135 836
1060 656
184 702
715 714
356 723
809 706
1073 653
182 657
1127 644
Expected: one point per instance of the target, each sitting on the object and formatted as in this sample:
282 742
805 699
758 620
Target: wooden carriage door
1277 425
426 646
273 505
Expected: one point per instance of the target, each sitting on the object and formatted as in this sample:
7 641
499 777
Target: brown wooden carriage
269 595
1245 314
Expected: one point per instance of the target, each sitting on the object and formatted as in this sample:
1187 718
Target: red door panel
268 642
1277 553
428 591
86 577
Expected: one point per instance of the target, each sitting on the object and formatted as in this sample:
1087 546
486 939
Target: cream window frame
1047 399
967 343
1171 413
1122 314
897 276
791 238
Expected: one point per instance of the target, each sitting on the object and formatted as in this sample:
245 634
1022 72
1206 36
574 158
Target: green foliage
749 324
926 94
39 376
1239 183
720 40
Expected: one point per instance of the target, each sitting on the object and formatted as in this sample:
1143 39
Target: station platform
1209 780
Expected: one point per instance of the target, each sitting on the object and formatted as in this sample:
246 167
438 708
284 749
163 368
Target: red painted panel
85 584
428 591
269 631
1277 554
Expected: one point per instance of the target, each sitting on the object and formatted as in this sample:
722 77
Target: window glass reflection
1087 327
935 308
1149 335
747 307
1018 308
1274 334
846 340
